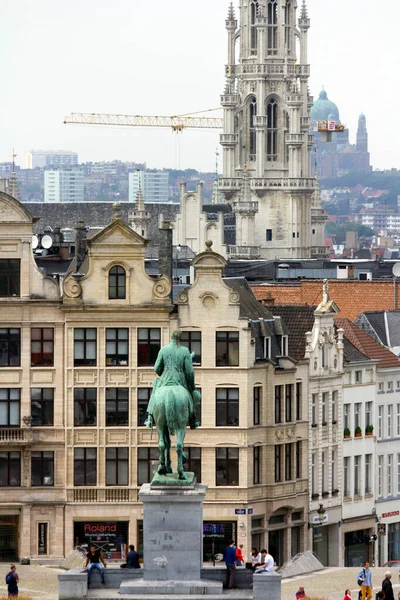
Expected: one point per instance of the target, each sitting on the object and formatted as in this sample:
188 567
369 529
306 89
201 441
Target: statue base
173 539
173 480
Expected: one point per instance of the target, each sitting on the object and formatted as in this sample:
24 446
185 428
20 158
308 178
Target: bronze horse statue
172 404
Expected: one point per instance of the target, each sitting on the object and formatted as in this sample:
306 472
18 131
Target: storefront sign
240 511
108 535
381 528
394 513
317 520
42 538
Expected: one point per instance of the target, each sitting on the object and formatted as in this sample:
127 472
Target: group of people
259 562
95 560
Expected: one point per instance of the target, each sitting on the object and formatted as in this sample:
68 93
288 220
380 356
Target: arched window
253 28
272 27
288 17
272 130
117 283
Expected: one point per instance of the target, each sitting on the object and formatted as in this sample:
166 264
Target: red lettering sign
88 528
394 513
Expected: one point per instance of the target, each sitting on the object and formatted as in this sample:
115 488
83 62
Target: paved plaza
41 583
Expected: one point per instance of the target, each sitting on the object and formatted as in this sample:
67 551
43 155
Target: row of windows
388 421
326 410
117 346
288 459
327 460
358 415
357 478
389 387
287 405
388 475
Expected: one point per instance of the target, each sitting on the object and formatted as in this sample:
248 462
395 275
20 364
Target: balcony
243 252
268 69
245 207
228 139
16 436
108 494
295 139
229 100
320 251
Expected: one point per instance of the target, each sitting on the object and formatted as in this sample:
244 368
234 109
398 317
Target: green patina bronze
173 406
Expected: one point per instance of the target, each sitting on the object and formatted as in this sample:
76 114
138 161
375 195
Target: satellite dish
396 269
35 242
47 242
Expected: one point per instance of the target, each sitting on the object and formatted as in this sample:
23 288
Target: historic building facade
76 369
266 140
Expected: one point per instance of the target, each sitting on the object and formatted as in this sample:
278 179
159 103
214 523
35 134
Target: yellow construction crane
177 123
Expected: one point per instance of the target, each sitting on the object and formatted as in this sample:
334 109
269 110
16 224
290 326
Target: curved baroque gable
12 211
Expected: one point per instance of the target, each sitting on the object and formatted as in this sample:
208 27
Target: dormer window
267 347
284 345
117 283
9 277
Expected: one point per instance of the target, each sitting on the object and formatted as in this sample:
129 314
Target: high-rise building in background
51 158
266 140
154 185
63 185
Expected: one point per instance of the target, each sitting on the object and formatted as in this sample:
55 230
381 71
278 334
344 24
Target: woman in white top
255 558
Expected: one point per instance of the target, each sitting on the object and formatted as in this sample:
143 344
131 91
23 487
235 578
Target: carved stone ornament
72 288
183 298
290 433
27 420
279 434
234 298
162 288
208 299
314 438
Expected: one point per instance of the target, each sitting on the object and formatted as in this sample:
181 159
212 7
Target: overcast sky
154 57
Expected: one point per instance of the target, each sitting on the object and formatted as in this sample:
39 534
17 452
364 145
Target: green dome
323 109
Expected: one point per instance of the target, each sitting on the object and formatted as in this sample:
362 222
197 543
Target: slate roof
351 353
250 307
366 344
298 320
383 325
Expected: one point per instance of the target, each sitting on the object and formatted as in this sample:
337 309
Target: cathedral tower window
288 15
272 27
252 131
272 130
253 28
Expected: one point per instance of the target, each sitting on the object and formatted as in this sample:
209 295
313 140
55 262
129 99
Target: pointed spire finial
304 21
231 12
116 212
139 199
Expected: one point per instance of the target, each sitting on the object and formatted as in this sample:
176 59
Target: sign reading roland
101 533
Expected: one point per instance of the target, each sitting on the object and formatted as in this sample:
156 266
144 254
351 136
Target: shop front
9 538
109 536
389 533
326 532
357 547
216 537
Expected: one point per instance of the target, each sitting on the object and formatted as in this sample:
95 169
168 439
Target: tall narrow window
147 464
278 461
288 16
380 475
368 414
227 466
10 347
314 474
117 347
324 471
148 346
192 341
314 409
10 469
193 463
42 406
10 407
85 406
398 474
334 470
256 404
272 27
227 407
256 464
380 422
288 461
289 402
117 407
253 28
389 420
85 346
368 463
117 283
298 460
85 466
42 346
143 398
357 415
324 407
346 477
9 277
398 421
272 130
357 487
278 403
298 400
389 472
346 416
227 349
42 468
335 402
252 131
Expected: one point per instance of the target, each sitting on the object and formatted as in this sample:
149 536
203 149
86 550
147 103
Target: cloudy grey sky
157 57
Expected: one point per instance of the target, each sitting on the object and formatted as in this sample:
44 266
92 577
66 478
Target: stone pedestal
172 541
267 586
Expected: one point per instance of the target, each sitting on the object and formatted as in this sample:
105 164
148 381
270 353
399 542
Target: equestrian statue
173 403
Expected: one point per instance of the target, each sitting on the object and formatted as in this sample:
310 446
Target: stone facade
75 377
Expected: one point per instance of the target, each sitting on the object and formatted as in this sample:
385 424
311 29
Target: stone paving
41 583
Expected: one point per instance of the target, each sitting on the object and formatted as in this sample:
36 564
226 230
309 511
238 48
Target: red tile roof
366 344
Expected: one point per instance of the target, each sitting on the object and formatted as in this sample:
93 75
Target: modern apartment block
51 158
63 185
154 185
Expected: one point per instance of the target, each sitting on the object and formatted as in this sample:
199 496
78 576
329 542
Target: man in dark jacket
387 588
132 558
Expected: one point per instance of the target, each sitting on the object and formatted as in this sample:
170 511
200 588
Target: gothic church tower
266 140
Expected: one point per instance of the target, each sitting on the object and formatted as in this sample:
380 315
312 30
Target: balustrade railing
234 183
268 69
108 494
247 252
16 436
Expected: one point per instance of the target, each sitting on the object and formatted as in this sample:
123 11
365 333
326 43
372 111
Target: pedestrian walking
387 588
300 593
364 580
12 580
230 561
93 560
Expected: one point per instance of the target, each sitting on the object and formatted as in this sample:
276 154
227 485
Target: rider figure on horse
174 366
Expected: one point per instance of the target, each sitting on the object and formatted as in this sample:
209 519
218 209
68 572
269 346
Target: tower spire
216 196
139 218
304 21
139 200
13 183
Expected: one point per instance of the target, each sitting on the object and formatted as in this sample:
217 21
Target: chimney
80 245
268 300
165 248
